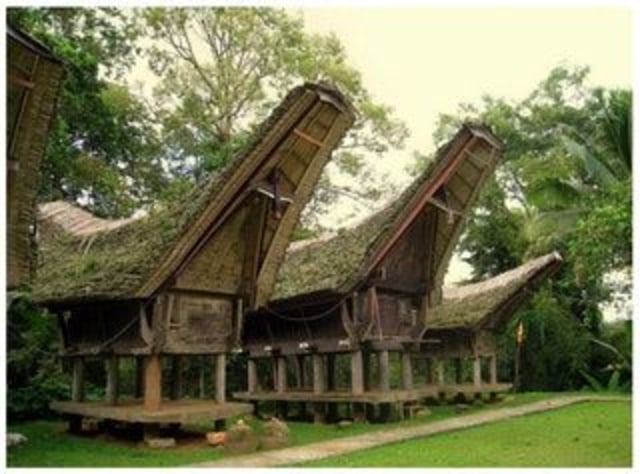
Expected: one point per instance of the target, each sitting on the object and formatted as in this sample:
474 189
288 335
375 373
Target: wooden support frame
221 377
252 376
299 370
458 369
281 374
407 370
319 382
440 378
493 369
477 372
112 388
357 373
153 382
384 384
77 381
138 386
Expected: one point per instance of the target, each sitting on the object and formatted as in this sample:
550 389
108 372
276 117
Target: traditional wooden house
369 290
463 327
34 78
178 281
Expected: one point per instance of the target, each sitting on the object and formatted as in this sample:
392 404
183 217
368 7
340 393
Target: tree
223 69
103 148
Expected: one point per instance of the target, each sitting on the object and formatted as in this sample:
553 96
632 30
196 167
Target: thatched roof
489 302
31 43
77 221
132 260
337 265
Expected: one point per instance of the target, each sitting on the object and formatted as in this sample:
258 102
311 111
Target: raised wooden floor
171 411
373 396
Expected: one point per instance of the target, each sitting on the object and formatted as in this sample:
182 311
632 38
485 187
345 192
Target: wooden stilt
153 382
252 376
299 371
383 369
477 371
458 369
331 371
428 371
407 371
112 389
77 382
281 387
357 375
221 377
319 412
139 381
440 371
176 377
493 369
319 382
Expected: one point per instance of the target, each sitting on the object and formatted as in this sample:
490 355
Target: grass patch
590 434
50 445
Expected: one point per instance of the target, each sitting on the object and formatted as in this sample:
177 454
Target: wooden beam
77 381
440 371
252 376
477 372
307 137
221 377
319 382
493 369
20 81
383 371
176 377
112 389
458 368
428 374
407 371
281 377
153 382
357 375
299 370
331 371
442 206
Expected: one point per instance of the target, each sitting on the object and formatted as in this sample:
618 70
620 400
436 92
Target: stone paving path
323 449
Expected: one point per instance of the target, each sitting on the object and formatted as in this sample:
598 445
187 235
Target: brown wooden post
357 375
440 371
221 377
332 408
383 371
319 386
281 378
477 372
299 370
428 375
139 381
407 370
252 376
493 369
458 368
319 382
77 382
274 369
111 392
176 377
153 382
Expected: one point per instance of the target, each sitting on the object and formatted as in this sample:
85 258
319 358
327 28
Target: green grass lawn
591 434
50 445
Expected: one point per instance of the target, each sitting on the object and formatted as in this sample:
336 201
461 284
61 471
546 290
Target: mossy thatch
337 264
469 306
116 263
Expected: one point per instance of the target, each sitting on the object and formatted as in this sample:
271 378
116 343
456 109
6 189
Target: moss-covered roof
337 264
114 264
470 306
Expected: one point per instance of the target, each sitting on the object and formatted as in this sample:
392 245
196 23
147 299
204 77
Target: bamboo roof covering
447 189
492 301
88 259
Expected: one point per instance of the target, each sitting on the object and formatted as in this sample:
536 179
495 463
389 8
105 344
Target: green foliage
103 147
221 71
34 374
